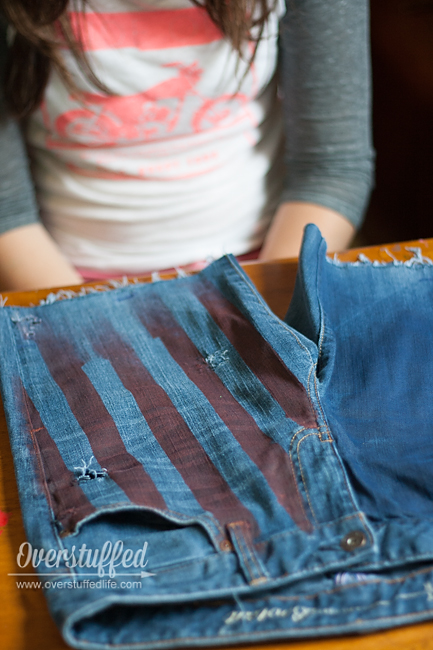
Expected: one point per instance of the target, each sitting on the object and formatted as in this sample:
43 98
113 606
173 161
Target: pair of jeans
195 471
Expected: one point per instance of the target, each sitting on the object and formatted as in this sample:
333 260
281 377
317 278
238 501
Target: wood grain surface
25 623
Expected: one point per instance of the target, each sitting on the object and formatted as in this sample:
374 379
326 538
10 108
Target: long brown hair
38 29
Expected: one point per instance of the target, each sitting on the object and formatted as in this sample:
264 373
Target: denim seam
354 585
338 610
309 381
278 633
321 339
205 516
129 505
348 486
329 524
357 513
31 431
302 472
325 423
297 487
302 475
54 521
261 301
362 608
292 442
35 446
257 635
332 440
338 589
39 459
300 574
327 429
320 425
235 525
250 558
322 336
167 569
251 555
390 564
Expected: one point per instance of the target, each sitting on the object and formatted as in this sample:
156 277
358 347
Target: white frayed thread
26 323
85 473
216 359
362 260
67 294
3 300
417 259
118 284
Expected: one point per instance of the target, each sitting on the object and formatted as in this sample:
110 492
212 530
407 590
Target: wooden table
25 623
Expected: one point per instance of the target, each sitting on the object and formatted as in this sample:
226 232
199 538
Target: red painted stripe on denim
173 434
145 30
67 500
271 459
96 422
258 354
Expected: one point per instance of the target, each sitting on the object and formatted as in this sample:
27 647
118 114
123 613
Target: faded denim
279 471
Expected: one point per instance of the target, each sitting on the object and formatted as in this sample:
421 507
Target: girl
157 137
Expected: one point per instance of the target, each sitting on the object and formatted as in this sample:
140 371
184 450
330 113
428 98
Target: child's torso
176 158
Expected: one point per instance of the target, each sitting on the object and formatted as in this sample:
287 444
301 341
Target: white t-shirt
182 163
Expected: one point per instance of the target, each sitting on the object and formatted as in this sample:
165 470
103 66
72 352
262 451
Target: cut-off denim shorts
195 471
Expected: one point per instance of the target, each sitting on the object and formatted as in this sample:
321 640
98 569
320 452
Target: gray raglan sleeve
17 198
325 85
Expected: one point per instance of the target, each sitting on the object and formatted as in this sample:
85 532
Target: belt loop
251 565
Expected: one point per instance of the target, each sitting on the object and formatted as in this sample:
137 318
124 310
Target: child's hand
30 259
286 231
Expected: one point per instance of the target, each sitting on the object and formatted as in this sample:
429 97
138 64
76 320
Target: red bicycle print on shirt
151 114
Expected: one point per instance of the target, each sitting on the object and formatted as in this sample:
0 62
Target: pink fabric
150 30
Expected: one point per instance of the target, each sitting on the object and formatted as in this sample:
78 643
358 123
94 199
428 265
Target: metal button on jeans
353 540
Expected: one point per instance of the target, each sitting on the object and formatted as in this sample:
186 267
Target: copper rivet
226 546
353 540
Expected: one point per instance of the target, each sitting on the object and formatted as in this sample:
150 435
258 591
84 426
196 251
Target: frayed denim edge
417 259
67 294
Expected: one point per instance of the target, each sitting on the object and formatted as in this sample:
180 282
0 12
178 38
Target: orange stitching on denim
292 469
37 450
302 476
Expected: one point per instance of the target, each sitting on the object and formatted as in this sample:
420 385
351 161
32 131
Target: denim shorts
195 471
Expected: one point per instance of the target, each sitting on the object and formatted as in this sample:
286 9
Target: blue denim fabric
272 479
